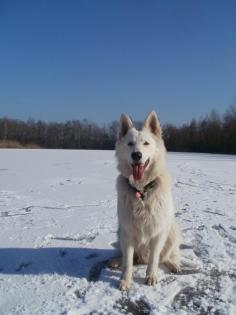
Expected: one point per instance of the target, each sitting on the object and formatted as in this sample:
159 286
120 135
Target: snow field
58 227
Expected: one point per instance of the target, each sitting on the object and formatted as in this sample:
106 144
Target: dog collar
142 194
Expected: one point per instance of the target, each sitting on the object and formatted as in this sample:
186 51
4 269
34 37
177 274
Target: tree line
212 134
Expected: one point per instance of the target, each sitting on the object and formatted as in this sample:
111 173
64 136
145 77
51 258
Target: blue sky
94 59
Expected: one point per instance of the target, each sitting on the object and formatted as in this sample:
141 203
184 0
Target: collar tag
138 194
148 187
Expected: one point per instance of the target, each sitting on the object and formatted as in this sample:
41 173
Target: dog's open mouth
138 170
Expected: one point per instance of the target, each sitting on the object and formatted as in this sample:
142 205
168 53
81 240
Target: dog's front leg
127 265
156 246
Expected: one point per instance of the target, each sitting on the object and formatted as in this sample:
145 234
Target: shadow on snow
75 262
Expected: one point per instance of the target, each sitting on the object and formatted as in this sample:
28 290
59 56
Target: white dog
148 232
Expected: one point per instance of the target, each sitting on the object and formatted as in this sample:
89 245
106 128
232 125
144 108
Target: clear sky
94 59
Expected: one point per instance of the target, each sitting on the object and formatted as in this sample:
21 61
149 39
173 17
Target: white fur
147 229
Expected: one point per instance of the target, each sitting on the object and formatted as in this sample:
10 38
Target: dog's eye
146 143
130 144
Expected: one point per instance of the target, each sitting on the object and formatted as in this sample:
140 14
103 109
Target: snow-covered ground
58 227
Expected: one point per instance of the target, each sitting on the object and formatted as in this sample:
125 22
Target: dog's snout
136 156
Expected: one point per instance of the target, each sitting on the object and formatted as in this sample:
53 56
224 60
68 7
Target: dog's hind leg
170 255
172 265
116 262
172 258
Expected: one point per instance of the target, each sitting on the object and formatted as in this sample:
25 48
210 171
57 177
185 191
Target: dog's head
140 153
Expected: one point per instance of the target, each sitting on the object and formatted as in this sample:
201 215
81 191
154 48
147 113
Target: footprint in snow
65 182
223 233
23 266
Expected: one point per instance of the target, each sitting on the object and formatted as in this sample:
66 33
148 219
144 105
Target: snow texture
58 227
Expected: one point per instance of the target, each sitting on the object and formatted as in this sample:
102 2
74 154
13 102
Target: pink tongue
138 170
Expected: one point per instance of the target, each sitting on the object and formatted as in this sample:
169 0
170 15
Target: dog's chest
144 225
142 210
148 217
143 217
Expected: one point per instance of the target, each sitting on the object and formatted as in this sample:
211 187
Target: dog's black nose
136 156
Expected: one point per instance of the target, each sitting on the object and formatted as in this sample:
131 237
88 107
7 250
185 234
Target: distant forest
213 133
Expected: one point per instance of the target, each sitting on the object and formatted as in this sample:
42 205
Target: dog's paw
151 280
114 263
124 285
175 268
172 266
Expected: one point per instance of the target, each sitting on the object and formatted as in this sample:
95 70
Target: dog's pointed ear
125 125
152 123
